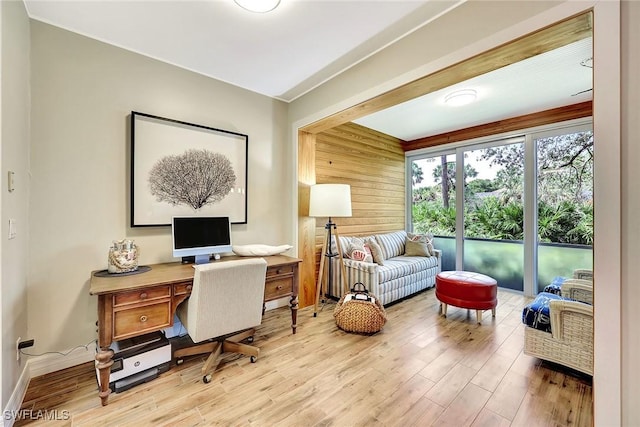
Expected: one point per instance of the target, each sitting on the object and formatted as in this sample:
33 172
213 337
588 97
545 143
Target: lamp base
327 255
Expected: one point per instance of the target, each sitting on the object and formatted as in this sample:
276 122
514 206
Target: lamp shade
330 200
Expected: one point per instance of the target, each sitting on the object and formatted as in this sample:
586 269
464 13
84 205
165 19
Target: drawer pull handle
279 287
189 287
278 271
143 318
143 295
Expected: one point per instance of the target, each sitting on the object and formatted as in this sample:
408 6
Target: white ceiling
289 51
549 80
282 54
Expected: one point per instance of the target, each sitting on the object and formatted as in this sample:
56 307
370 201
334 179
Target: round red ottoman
468 290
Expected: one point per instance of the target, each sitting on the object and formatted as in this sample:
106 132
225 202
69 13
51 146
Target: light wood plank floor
421 370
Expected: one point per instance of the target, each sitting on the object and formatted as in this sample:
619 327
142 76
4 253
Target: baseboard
41 365
10 412
53 362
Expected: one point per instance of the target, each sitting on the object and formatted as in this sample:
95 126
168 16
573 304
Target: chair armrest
578 289
582 273
572 321
438 255
364 272
361 265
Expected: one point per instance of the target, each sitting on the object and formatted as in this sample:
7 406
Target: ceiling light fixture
258 6
460 97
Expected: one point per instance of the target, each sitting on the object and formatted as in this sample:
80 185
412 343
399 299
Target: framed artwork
183 169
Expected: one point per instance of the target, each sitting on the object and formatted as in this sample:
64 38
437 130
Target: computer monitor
196 238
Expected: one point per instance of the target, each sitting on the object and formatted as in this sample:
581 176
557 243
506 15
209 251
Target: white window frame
528 138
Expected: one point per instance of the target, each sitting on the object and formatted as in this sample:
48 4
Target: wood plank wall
306 225
374 165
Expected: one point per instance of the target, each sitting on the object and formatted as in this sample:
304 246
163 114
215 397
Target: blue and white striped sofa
399 277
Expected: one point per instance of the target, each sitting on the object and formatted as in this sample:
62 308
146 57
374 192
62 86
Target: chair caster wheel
179 362
253 359
250 339
206 379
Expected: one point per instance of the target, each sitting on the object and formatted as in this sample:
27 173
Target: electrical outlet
12 228
18 348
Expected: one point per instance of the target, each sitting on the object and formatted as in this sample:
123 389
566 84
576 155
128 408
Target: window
478 197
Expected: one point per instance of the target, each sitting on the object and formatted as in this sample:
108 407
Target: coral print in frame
183 169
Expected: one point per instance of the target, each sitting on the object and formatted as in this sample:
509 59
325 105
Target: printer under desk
138 360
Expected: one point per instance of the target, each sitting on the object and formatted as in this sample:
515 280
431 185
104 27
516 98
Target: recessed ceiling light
258 6
460 97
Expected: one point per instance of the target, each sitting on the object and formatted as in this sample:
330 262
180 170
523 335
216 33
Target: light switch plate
11 181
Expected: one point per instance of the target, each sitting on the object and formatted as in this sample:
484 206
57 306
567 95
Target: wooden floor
421 370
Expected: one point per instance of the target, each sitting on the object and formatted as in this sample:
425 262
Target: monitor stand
202 259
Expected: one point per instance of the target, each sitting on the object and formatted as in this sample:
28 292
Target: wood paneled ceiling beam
544 40
554 115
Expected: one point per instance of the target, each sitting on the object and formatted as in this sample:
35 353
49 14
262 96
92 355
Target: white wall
82 94
14 155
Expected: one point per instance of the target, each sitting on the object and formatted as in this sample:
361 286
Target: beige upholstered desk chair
224 308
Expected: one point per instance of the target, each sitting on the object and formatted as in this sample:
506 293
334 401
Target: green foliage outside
567 222
494 208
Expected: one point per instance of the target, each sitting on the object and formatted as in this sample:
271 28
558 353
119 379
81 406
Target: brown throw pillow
412 248
419 245
376 251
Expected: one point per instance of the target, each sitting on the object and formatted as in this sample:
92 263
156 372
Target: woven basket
365 316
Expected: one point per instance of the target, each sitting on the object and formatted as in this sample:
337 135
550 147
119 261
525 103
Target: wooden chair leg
479 316
236 347
206 347
213 360
242 335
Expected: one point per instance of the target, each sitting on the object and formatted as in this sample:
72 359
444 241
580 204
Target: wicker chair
578 289
583 274
570 342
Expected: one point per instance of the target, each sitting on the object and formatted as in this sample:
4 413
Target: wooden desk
138 304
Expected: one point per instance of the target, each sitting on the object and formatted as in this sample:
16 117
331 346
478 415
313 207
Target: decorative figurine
123 256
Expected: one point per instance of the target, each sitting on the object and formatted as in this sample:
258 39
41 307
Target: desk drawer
135 321
143 295
182 288
279 270
278 288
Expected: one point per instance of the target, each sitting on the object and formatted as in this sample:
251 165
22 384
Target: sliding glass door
433 202
518 209
565 203
494 212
